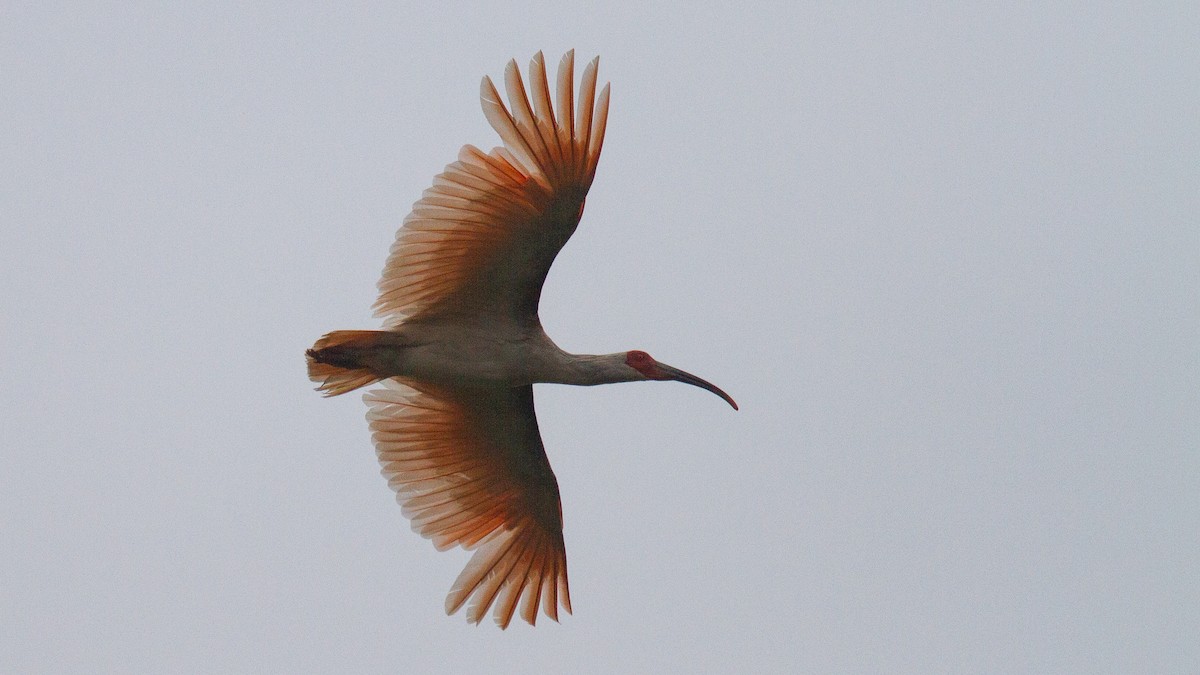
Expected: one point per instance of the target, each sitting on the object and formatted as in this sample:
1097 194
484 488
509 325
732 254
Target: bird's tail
337 360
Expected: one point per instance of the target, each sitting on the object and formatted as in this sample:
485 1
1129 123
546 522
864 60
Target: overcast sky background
947 261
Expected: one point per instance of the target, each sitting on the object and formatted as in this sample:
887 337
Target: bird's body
452 354
454 424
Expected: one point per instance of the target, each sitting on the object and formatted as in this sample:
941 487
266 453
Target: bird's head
650 369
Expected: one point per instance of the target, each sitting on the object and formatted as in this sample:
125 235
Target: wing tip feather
524 569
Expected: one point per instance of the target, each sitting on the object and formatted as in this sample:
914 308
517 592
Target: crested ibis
453 423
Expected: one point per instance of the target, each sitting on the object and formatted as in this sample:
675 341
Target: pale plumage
454 424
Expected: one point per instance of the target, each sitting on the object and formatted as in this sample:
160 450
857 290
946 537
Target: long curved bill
678 375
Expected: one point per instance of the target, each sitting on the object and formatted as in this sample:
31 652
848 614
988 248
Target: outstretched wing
481 240
469 470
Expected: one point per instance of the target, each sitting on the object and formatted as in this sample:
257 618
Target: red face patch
641 362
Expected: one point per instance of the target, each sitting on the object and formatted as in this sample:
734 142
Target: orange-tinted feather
469 470
482 238
334 361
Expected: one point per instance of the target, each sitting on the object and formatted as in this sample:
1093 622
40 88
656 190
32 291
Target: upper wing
469 469
481 240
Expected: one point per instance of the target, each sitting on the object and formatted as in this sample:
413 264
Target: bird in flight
453 422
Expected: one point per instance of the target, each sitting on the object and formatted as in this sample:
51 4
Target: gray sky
947 261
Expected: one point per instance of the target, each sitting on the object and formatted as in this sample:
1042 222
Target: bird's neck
589 369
